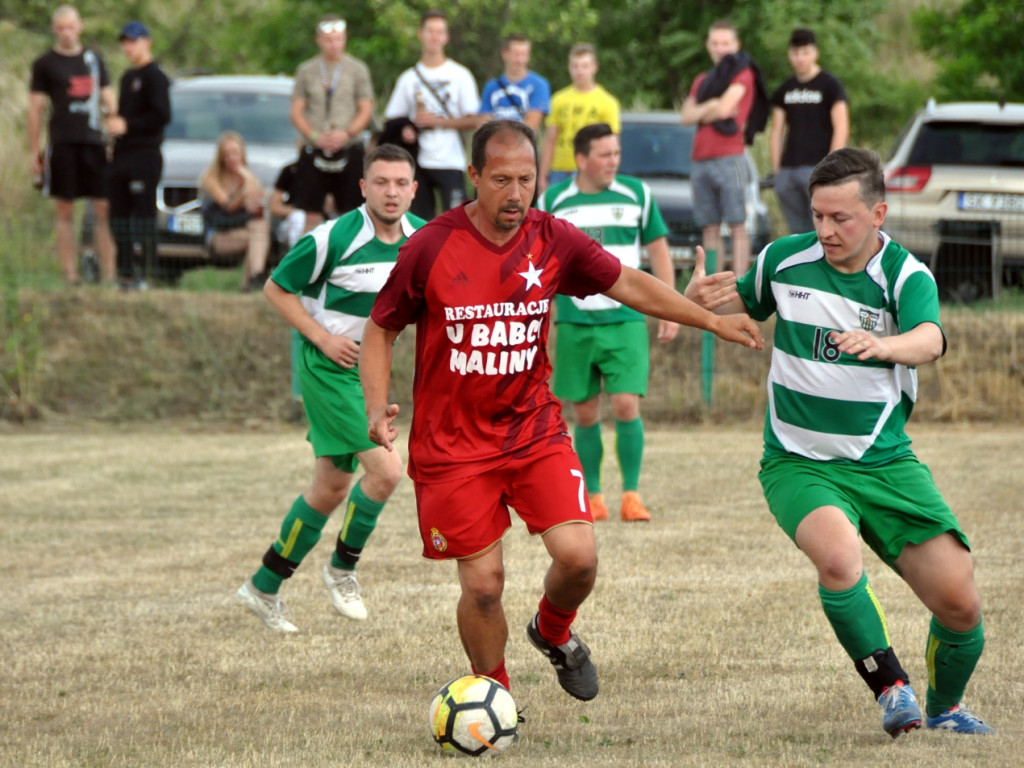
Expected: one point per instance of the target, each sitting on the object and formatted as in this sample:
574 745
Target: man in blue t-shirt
518 93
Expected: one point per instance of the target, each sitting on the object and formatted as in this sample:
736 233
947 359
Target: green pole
707 344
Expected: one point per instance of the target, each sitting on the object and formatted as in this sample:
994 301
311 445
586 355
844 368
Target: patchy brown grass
122 647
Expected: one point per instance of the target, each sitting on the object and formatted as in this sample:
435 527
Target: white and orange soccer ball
473 715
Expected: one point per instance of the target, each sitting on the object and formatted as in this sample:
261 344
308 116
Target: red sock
554 622
498 673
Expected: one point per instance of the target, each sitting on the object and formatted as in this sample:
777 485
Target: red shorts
465 517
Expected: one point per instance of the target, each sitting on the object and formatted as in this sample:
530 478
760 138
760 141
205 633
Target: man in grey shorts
719 104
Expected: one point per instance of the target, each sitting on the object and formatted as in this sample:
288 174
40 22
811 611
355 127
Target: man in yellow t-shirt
582 103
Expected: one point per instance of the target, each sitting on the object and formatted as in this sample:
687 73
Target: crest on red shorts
440 542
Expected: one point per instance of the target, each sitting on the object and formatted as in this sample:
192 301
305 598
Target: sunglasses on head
332 26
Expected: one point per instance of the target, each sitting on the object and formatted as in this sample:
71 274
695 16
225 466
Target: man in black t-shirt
810 118
288 220
144 109
75 82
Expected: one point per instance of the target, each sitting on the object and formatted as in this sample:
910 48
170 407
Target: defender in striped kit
600 340
325 288
855 314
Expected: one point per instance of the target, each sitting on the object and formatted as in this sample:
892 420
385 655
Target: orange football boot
633 510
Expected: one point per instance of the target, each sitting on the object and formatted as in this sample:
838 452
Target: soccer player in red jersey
487 433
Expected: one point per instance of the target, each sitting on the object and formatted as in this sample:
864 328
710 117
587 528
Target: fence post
707 342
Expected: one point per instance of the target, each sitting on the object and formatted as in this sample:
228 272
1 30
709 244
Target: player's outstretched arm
375 354
650 296
715 292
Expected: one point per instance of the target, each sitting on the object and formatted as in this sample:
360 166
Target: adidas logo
460 279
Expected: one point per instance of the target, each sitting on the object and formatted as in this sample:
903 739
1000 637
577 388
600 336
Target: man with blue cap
144 108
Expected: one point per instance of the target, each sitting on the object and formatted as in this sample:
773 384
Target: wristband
314 136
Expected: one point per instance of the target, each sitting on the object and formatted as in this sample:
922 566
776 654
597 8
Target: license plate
991 201
186 224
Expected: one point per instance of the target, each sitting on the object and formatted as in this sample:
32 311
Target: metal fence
971 258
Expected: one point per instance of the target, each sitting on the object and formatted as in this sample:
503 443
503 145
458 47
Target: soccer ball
473 715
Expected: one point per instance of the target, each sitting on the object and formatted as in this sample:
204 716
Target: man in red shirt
719 104
487 433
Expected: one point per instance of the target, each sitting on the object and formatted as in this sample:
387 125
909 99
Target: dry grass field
122 647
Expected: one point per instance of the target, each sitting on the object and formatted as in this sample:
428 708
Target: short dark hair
723 24
390 153
492 128
515 37
583 49
588 134
801 37
432 13
851 164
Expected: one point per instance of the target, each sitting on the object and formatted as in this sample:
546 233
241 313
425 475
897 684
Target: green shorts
891 506
584 354
334 405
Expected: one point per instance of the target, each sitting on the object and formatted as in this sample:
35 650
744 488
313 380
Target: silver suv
257 107
955 188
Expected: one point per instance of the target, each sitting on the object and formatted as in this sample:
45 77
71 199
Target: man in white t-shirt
440 98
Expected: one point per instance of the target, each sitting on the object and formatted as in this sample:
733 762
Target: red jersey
709 143
482 312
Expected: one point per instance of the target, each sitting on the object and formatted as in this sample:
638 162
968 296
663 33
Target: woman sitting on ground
233 210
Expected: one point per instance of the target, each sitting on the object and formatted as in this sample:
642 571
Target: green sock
300 532
629 445
857 619
590 449
951 658
360 519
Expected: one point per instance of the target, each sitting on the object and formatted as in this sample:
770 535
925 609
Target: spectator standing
144 109
518 93
75 82
599 339
856 313
487 433
324 288
719 103
233 210
439 96
583 102
332 104
810 118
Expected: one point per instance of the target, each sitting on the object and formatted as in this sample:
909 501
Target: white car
955 189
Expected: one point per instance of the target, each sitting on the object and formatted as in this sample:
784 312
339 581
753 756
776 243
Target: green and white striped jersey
823 404
338 268
622 218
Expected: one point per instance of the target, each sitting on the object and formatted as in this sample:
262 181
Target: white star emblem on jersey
532 276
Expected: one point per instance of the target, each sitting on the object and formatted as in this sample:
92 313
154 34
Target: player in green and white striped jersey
598 338
855 313
325 287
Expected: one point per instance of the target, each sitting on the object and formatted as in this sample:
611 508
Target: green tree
650 50
973 44
278 36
